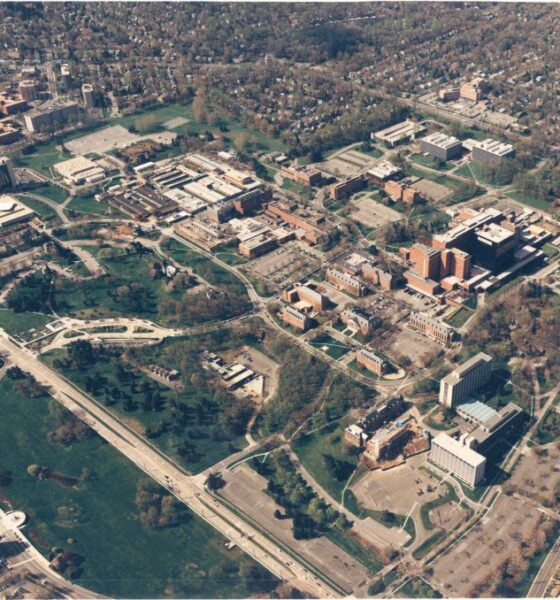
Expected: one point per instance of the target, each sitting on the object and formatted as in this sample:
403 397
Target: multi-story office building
491 151
372 362
441 145
401 191
432 328
88 95
356 319
341 189
57 116
426 260
346 282
7 174
449 94
464 380
473 90
8 134
257 245
12 104
304 293
307 176
460 460
295 318
29 89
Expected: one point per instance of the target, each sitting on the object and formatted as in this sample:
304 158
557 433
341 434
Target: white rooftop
474 459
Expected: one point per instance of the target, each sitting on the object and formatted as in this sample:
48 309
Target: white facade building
464 380
463 462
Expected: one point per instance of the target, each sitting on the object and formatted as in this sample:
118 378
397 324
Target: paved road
188 489
547 570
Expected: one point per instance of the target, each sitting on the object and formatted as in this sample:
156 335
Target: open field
42 158
537 475
329 345
22 323
44 211
431 190
90 510
417 588
537 203
427 160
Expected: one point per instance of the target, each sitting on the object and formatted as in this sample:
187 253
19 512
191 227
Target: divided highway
188 489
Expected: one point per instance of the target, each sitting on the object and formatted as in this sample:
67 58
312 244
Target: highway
188 489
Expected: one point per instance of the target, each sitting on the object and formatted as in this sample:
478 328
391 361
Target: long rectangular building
463 462
464 380
491 151
432 327
441 145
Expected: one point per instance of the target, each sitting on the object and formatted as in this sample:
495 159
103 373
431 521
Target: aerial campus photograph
279 300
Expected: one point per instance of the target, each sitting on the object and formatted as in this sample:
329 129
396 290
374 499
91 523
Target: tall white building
464 380
463 462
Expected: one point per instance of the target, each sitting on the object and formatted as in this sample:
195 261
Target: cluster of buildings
383 435
473 91
392 181
354 272
463 455
234 375
446 147
480 252
305 301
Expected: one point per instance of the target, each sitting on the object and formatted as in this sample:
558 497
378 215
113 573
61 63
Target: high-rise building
29 89
57 116
460 460
7 174
88 95
66 76
465 380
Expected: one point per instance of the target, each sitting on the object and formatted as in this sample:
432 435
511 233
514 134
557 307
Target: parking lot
538 476
467 569
246 489
373 214
283 266
399 488
103 140
412 344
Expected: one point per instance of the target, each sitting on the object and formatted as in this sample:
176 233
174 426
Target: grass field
204 267
430 161
44 156
52 192
537 203
460 318
335 349
549 428
44 211
89 205
122 558
310 449
20 323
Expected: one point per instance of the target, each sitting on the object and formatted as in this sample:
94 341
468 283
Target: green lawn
550 250
52 192
44 211
98 518
430 161
213 273
89 205
329 440
460 318
549 428
424 548
20 323
537 203
44 156
335 349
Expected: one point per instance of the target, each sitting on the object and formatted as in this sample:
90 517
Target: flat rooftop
478 411
494 147
467 366
400 131
494 233
383 170
474 459
442 140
